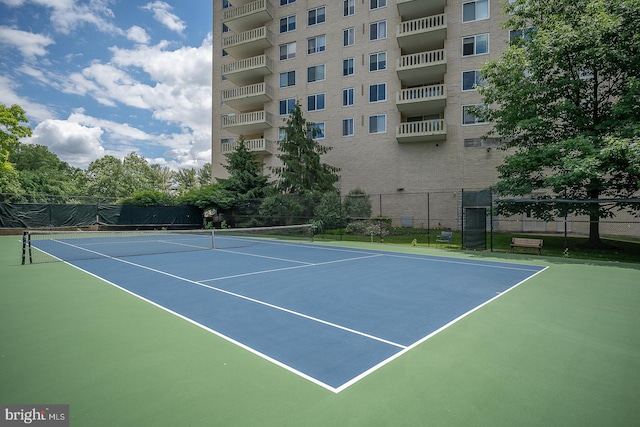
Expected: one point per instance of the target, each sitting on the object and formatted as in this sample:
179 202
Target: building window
525 34
315 73
347 127
288 78
287 106
468 118
225 29
315 102
347 67
288 23
316 130
378 124
226 4
349 7
378 61
316 16
287 51
347 97
224 53
475 45
316 44
475 10
471 79
349 37
377 4
286 2
378 30
282 134
378 92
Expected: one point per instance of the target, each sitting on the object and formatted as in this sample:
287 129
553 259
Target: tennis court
328 314
319 334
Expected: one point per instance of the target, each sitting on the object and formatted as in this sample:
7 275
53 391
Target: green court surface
562 349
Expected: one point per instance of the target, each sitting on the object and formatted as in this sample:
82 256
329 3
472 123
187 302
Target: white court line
257 301
286 268
419 257
403 348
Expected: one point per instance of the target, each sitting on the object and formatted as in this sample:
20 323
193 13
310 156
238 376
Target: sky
111 77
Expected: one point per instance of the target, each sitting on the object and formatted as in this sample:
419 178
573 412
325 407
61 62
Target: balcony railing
422 59
249 97
248 16
249 43
423 131
421 34
422 67
248 123
261 146
422 101
249 70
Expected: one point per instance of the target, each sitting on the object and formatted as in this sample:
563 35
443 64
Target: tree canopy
302 170
565 99
11 130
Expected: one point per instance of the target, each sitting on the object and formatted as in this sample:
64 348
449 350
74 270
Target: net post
26 246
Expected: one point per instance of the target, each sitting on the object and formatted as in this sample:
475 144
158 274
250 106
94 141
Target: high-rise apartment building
388 84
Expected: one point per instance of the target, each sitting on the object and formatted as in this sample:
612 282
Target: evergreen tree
302 171
246 184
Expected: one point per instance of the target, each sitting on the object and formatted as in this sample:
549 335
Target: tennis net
39 246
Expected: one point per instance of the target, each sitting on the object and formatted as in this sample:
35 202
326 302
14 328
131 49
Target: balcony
248 98
423 131
248 71
412 9
423 67
238 3
248 16
251 123
422 34
261 146
422 101
249 43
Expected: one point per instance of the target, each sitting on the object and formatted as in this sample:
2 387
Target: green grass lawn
618 250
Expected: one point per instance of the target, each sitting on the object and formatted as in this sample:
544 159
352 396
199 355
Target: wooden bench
523 242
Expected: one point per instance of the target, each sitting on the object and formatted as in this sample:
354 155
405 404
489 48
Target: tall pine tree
302 171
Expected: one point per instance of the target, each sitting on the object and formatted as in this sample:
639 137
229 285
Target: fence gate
474 218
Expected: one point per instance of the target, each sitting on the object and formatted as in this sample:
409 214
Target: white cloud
118 130
74 143
67 15
9 97
162 13
138 35
29 44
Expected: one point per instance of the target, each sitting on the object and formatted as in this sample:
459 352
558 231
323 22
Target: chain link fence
383 216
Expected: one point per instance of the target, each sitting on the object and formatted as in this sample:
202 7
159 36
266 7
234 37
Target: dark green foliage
565 102
208 197
357 204
329 212
149 198
302 170
244 184
41 173
11 130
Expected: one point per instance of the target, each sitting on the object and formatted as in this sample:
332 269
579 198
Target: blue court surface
329 314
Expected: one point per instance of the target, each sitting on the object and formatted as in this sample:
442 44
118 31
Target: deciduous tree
565 99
